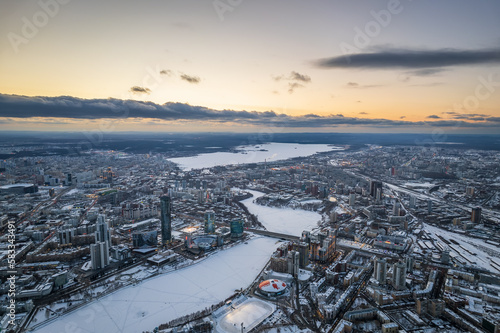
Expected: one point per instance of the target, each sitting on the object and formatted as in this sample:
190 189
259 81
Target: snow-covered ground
252 154
283 220
73 191
166 297
251 313
473 245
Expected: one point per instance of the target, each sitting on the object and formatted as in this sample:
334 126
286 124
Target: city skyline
378 66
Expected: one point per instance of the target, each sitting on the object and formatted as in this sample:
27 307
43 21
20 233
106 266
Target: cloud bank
413 59
15 106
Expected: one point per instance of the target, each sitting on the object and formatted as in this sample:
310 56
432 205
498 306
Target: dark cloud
295 80
471 116
166 72
402 117
140 90
416 59
357 85
433 116
14 106
299 77
363 113
190 79
425 72
293 85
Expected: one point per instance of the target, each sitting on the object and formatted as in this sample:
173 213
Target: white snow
166 297
283 220
473 245
252 154
251 313
73 191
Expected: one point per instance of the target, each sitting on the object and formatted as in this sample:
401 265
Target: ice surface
166 297
283 220
251 313
252 154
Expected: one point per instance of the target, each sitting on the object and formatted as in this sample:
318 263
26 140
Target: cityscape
249 166
372 238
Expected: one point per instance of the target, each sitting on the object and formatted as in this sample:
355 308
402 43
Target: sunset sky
249 65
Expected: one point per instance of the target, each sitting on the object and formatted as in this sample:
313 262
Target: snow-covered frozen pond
283 220
253 154
166 297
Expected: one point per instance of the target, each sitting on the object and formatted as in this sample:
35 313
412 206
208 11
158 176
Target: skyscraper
303 249
166 219
99 255
99 252
410 262
293 260
374 186
381 270
209 222
399 276
102 232
476 215
413 201
396 208
352 199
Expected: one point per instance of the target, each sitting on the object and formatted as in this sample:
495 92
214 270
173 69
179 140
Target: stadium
245 312
272 288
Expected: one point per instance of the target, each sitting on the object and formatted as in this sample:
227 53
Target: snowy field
251 313
283 220
252 154
166 297
483 250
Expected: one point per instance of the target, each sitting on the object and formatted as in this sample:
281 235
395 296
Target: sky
250 65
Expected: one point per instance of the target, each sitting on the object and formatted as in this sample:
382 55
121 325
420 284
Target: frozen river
252 154
283 220
163 298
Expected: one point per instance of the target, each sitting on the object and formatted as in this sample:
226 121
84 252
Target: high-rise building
445 256
99 255
333 217
374 185
352 199
66 236
469 190
314 247
69 180
293 259
410 262
413 201
102 232
399 275
99 252
303 249
237 227
381 270
476 215
209 222
166 219
396 208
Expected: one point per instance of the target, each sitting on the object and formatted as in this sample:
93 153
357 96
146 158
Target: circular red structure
272 287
